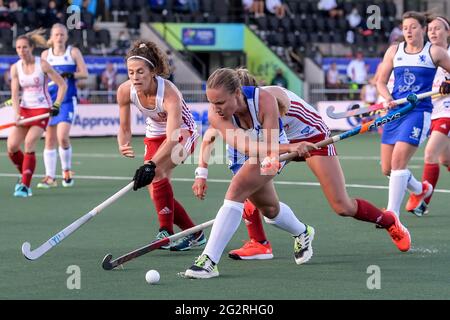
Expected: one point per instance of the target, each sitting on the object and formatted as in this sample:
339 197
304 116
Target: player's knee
270 212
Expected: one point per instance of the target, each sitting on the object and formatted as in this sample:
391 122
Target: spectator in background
396 33
279 79
7 79
123 43
170 60
83 92
329 8
333 81
14 6
109 81
369 92
157 5
248 5
276 7
357 71
354 19
5 18
258 8
52 15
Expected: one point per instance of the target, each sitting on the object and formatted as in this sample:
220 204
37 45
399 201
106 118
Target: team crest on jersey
415 133
422 58
408 79
306 130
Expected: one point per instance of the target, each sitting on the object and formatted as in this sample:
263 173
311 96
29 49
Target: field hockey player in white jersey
31 75
170 136
414 63
437 150
69 63
248 114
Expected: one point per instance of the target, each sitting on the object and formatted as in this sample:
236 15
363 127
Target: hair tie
142 58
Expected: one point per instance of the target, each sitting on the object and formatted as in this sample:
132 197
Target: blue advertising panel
198 36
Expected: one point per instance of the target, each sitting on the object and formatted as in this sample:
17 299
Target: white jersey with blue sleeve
63 64
251 95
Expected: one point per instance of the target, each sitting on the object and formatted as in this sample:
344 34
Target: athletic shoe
23 191
422 210
161 235
47 183
67 179
399 234
303 245
203 268
252 250
415 201
189 242
18 184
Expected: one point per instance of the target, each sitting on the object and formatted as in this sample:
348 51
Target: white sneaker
303 250
203 268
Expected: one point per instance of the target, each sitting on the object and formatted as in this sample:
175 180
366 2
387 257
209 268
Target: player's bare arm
124 134
57 79
385 72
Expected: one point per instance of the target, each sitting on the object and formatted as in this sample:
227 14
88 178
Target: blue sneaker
22 191
189 242
161 235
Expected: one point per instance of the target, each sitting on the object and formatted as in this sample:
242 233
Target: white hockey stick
60 236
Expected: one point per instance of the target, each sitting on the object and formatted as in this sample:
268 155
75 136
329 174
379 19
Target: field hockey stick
375 107
109 264
60 236
24 121
8 102
392 116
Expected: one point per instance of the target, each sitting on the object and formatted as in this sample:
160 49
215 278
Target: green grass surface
343 249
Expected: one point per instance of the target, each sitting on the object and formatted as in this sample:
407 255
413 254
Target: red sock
29 164
162 196
253 222
17 159
180 216
368 212
430 174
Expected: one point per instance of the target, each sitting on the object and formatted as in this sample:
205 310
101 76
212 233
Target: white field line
290 183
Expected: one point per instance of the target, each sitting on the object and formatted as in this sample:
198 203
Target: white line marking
290 183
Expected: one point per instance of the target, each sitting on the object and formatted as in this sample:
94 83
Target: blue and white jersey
61 64
251 95
413 73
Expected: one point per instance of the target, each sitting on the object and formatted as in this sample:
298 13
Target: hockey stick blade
109 264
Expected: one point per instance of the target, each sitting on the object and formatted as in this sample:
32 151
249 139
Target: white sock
225 225
50 159
287 221
414 186
65 155
397 187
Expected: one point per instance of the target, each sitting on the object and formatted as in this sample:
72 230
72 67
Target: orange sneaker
252 250
399 234
415 200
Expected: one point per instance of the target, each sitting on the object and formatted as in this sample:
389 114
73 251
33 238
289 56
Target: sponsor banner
92 120
95 64
339 106
203 36
198 36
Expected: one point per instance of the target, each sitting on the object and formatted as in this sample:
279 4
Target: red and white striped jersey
302 120
156 118
441 106
34 87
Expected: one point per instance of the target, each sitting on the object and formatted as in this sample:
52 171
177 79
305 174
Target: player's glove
54 110
144 175
67 75
445 86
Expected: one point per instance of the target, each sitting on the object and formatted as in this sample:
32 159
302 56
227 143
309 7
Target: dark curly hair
150 51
